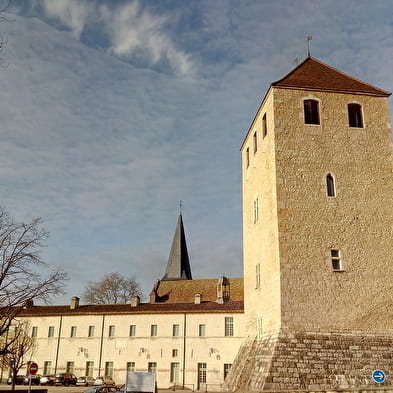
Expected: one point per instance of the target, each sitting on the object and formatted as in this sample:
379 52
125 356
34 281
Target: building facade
189 332
318 231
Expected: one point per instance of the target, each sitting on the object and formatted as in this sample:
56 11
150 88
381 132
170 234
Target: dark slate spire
178 267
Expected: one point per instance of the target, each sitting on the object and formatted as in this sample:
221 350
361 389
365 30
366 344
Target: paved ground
70 389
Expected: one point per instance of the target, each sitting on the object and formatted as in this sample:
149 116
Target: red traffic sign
33 368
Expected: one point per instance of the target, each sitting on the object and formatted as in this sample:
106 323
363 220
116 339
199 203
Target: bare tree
20 279
112 289
20 350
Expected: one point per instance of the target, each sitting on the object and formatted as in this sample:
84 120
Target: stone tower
318 234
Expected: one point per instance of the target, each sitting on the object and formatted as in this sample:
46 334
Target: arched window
355 115
311 111
330 186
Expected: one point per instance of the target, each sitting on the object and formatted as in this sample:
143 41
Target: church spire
178 267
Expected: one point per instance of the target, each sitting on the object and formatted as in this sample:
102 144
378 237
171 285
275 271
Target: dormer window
355 118
311 112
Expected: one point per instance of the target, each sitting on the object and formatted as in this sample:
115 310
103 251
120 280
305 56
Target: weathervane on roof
309 38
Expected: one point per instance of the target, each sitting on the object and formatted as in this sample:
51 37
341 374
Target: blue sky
114 111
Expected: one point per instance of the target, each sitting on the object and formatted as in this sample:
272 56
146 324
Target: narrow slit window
255 138
247 157
264 125
355 115
330 186
311 111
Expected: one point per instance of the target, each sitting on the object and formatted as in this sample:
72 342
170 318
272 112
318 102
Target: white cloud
132 30
72 13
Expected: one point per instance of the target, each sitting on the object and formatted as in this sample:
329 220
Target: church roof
312 74
178 267
184 291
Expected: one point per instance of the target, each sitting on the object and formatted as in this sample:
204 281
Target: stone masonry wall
315 361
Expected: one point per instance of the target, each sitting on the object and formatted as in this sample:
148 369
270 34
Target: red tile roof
185 291
143 308
312 74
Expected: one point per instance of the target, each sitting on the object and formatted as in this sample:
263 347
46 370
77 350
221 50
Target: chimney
29 304
74 303
135 300
197 298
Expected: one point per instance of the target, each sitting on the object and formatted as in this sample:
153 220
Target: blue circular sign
378 376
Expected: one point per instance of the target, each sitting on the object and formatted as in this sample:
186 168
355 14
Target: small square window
174 353
202 330
73 331
34 331
91 331
153 330
111 332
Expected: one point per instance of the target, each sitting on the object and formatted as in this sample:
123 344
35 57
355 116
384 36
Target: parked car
47 380
65 379
35 379
106 380
19 379
101 389
85 381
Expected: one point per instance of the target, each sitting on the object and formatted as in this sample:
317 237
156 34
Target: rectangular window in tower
228 326
255 141
175 330
264 125
311 111
51 331
153 330
355 118
336 260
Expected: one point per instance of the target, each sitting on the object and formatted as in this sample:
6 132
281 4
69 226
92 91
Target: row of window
228 330
311 116
330 192
312 113
130 366
335 259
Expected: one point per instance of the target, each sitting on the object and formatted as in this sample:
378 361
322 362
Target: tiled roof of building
184 291
312 74
142 308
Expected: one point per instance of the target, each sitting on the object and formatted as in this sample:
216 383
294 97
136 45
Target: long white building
189 333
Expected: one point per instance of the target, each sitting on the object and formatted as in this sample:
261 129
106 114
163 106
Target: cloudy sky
114 111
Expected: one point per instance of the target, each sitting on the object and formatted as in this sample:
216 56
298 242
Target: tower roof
312 74
178 267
